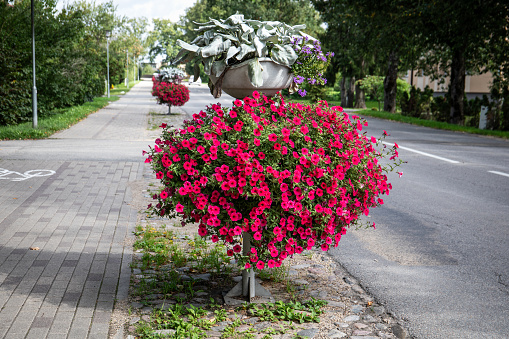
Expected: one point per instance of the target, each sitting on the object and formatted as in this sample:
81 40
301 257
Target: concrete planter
237 84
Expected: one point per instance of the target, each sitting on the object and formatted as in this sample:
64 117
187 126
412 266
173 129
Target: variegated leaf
284 55
244 49
189 47
207 65
218 67
232 51
254 71
214 48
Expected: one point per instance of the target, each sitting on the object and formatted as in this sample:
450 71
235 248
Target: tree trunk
457 86
360 97
343 92
390 83
350 92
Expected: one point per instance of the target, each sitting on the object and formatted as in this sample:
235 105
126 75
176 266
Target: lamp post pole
127 69
34 88
108 34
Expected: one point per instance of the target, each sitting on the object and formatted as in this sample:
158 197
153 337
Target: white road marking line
499 173
423 153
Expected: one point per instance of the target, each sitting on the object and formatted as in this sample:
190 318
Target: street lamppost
127 69
108 35
34 88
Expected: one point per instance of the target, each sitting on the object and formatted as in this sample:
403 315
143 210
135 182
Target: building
475 85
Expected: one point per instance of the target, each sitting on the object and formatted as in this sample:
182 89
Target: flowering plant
228 42
171 74
290 176
310 64
171 94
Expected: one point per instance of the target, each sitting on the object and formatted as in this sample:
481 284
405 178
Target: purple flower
302 92
298 79
312 81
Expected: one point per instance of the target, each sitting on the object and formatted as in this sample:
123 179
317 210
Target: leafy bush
417 103
290 176
171 74
69 70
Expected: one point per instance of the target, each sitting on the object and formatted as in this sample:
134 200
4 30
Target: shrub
290 176
417 103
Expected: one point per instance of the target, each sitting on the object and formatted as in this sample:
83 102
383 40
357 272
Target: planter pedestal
248 287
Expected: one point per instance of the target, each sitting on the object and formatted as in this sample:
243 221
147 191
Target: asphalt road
439 258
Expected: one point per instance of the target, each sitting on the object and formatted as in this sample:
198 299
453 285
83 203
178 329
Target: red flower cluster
291 176
170 93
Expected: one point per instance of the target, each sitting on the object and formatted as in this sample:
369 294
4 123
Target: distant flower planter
236 81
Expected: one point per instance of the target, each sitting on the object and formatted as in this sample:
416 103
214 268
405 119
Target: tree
70 54
461 36
369 37
162 40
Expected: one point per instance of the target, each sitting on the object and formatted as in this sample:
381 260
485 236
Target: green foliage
162 40
62 119
417 102
70 50
290 311
374 87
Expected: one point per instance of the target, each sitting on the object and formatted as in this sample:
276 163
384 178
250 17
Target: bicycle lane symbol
6 174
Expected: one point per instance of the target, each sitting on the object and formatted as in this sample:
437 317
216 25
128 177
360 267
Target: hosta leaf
183 57
246 28
235 19
207 64
298 27
189 47
263 33
307 35
244 49
214 48
261 47
208 36
198 40
205 28
218 67
232 51
220 24
284 55
228 37
255 23
254 71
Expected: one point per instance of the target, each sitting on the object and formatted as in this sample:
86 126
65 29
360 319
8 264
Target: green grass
122 88
160 247
61 119
414 121
432 124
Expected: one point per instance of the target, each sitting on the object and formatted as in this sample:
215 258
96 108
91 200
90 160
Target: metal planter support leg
248 288
248 276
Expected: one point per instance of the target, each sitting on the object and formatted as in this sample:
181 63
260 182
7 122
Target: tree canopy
70 54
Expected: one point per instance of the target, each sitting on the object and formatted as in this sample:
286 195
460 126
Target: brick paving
63 261
65 217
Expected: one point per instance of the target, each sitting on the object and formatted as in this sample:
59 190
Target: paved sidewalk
64 219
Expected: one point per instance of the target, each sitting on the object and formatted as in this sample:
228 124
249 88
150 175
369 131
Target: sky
162 9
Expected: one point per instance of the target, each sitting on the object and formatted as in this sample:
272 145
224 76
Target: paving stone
351 318
299 267
360 332
334 334
333 303
357 309
309 333
301 282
